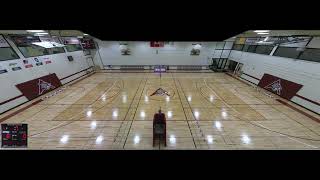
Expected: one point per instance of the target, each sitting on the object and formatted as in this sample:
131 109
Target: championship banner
88 44
71 40
284 88
27 64
15 66
37 87
38 61
240 40
3 70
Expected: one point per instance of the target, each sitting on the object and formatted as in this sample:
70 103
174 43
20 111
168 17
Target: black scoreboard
14 135
88 44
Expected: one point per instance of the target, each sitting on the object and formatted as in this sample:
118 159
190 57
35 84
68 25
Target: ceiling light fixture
261 31
39 34
35 31
42 33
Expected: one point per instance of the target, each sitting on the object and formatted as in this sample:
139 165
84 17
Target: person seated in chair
159 125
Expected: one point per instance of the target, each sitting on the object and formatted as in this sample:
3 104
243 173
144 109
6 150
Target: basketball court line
20 110
184 112
287 104
251 122
135 113
60 125
196 119
115 139
188 108
298 110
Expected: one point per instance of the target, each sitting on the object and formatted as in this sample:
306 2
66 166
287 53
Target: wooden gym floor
204 111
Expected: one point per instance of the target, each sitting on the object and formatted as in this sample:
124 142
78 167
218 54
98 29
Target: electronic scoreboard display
88 44
14 135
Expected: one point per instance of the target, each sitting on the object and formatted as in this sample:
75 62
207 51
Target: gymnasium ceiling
251 33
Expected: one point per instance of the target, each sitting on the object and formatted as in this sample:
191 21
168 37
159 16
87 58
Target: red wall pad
284 88
37 87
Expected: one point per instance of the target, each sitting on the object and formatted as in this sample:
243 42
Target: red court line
237 79
14 98
308 99
75 73
314 102
4 102
20 110
78 80
251 76
298 110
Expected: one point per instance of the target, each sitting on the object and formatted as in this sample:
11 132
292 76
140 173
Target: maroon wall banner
284 88
37 87
156 44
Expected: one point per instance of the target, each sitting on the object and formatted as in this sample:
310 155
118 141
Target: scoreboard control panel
14 135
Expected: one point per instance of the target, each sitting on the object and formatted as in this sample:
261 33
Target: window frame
255 47
242 45
10 46
299 57
264 46
37 55
63 42
75 50
243 49
279 47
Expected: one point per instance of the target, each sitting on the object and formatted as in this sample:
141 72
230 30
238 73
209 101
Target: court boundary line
71 121
20 110
193 138
124 144
116 136
28 101
298 110
276 95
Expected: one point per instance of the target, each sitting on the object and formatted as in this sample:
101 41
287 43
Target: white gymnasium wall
302 72
60 65
143 54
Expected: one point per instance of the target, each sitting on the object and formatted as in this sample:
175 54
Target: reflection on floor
204 111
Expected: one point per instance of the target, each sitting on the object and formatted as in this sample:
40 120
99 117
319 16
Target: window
73 47
245 48
263 49
252 48
56 50
72 44
220 45
32 50
24 44
237 47
311 55
6 52
289 52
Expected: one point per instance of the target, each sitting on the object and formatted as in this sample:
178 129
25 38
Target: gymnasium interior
69 90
